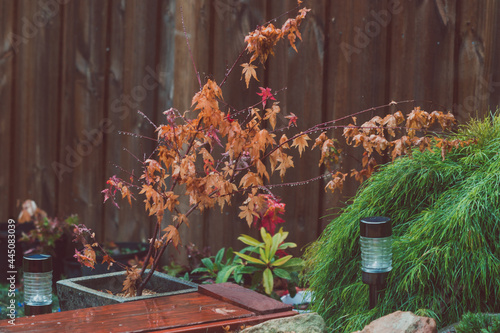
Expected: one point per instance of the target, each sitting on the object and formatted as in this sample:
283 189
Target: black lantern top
376 227
37 263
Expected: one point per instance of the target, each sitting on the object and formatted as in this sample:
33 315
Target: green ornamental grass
446 231
478 323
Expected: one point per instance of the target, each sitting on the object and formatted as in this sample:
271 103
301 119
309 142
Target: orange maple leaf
182 219
301 142
400 147
172 234
171 200
417 120
350 131
133 276
319 140
275 156
87 258
249 72
391 121
286 162
251 179
329 153
247 213
261 41
106 258
207 97
284 139
337 182
261 169
272 113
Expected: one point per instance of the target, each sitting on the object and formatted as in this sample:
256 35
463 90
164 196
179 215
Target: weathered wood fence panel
6 96
73 73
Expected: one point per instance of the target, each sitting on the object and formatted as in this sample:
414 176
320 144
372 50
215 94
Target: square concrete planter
91 291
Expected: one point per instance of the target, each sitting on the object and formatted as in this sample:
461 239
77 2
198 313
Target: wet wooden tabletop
209 309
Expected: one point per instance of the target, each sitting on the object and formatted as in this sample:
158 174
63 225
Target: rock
302 323
401 322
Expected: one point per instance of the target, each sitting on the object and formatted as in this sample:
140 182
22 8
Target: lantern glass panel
376 254
37 283
38 288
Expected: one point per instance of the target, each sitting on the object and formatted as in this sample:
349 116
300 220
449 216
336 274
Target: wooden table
211 309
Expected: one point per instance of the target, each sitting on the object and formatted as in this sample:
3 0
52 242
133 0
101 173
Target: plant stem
232 67
141 285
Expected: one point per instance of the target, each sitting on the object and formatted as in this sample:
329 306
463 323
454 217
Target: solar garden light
37 284
376 253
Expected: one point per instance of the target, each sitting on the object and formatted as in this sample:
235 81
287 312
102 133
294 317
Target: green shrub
446 227
478 323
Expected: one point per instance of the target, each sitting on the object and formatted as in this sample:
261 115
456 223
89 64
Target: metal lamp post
376 253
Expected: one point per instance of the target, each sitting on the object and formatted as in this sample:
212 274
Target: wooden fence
73 73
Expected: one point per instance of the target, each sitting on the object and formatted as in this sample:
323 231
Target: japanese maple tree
208 155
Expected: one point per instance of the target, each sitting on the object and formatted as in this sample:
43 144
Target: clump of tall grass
446 231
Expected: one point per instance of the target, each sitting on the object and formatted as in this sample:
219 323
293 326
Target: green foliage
47 231
446 257
5 297
174 269
268 264
221 267
478 323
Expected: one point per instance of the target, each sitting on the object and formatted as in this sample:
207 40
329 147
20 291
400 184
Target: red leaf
266 94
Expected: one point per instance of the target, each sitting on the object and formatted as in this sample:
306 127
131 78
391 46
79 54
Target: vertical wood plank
165 66
233 20
165 54
302 74
83 121
197 23
478 32
494 101
434 48
133 81
356 79
35 105
422 54
7 144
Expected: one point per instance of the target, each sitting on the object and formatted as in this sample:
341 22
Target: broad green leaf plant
268 264
222 266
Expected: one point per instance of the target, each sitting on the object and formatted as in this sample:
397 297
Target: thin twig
283 14
147 118
128 151
232 67
140 136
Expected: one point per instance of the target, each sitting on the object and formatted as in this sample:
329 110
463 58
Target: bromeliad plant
269 264
213 151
